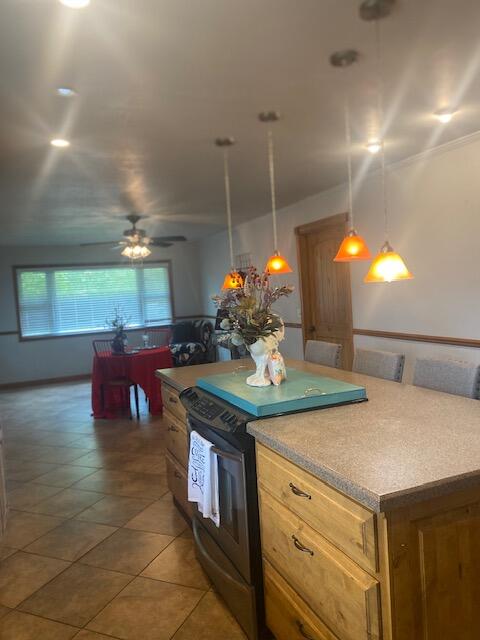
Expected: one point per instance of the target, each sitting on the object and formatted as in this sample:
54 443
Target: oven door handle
205 553
226 454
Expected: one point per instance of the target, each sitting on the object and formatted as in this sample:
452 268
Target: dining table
138 366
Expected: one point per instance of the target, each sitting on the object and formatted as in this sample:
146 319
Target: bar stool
326 353
449 376
380 364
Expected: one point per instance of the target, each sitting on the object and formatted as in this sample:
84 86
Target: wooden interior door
325 285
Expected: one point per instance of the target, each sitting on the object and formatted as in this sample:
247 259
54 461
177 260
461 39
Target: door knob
312 328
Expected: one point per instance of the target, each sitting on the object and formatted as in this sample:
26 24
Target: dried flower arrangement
250 315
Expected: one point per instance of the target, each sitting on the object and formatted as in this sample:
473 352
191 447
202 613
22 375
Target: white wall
434 224
69 356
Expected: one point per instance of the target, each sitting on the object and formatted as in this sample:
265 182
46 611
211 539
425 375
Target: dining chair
326 353
380 364
103 350
449 376
159 336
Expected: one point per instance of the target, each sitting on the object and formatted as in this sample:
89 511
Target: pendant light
233 280
388 266
276 264
353 247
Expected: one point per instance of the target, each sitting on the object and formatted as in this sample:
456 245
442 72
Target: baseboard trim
418 337
45 381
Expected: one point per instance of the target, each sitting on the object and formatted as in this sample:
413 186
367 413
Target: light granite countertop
405 444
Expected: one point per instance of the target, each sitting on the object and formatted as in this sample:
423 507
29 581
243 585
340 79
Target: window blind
74 300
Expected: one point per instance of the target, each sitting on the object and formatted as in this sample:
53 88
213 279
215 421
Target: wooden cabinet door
325 284
435 568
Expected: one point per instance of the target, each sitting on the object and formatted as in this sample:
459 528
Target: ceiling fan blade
168 239
154 242
98 244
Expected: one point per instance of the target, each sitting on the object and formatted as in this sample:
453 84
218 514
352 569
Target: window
56 301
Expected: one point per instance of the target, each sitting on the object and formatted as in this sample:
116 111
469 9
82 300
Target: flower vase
118 344
260 351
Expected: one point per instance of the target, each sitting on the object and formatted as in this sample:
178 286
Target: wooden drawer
348 525
171 402
177 483
335 587
176 439
288 617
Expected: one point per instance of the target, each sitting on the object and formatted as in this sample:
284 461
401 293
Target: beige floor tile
29 495
67 503
71 540
210 620
160 517
127 551
154 464
3 611
114 510
23 573
146 610
91 635
23 528
124 483
179 565
64 476
5 552
93 459
23 626
61 455
77 595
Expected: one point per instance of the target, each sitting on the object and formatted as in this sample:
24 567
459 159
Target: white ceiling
158 80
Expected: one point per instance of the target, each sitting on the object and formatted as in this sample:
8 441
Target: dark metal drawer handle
177 475
299 492
172 400
301 628
300 546
172 428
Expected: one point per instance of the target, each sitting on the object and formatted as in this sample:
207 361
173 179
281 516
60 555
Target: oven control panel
213 411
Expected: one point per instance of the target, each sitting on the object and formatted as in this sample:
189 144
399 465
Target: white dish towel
203 477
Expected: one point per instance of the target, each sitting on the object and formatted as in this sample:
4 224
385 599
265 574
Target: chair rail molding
418 337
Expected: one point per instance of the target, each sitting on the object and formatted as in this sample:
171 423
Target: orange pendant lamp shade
388 266
233 280
353 248
277 265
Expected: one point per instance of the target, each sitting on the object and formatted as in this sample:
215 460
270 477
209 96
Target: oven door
232 536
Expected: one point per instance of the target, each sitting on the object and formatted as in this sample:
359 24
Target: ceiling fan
136 243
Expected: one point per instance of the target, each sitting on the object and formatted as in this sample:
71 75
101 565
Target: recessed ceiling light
374 146
75 4
444 115
60 143
66 92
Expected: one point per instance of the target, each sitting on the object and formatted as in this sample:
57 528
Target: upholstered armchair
191 343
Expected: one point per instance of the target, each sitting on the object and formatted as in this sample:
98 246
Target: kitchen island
370 513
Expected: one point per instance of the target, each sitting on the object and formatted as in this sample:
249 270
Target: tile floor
94 547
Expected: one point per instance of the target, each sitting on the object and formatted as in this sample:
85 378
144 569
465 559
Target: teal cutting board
290 396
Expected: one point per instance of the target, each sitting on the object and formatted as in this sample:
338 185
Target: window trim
80 265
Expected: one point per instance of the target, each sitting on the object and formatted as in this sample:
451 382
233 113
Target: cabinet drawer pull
177 475
301 628
172 400
299 492
300 546
172 428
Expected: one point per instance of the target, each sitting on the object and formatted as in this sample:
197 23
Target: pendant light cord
380 89
226 171
348 140
271 169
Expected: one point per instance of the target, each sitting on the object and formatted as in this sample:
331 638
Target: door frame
301 233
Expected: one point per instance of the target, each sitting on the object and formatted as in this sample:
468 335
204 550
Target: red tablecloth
139 368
